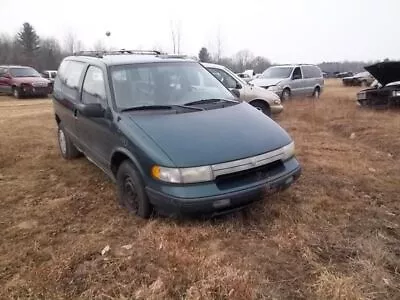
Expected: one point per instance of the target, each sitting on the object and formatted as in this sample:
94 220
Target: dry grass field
334 235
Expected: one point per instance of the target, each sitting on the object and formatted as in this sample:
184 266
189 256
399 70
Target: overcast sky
307 31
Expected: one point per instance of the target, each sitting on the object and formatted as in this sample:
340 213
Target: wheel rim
130 194
16 94
259 108
316 94
62 141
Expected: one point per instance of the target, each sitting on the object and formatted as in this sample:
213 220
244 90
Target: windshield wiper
158 107
206 101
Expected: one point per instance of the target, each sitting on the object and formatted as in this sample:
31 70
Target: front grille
39 84
249 176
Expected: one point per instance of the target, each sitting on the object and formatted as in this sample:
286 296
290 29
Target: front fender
129 154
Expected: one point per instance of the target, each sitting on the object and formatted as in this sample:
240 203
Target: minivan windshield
166 83
24 72
277 72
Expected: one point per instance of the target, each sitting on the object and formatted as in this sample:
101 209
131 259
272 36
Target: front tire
67 148
263 107
131 191
16 92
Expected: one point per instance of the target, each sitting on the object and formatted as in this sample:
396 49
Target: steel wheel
286 94
62 141
130 195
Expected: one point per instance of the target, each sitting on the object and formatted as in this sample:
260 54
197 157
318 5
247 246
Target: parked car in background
292 80
343 74
359 79
245 76
385 92
50 75
23 81
170 134
264 100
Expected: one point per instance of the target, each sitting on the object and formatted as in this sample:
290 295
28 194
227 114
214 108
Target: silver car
292 80
264 100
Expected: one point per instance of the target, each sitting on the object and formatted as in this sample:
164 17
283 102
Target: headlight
396 93
277 101
273 88
288 151
182 175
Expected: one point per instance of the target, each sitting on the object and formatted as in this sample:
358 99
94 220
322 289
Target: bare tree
176 35
243 59
69 42
99 46
218 53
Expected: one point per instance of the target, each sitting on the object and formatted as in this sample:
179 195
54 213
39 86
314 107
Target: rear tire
286 94
316 93
67 148
263 107
131 191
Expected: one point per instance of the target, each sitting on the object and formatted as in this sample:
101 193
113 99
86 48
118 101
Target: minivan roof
294 65
111 59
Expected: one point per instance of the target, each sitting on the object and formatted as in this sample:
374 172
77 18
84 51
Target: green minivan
169 133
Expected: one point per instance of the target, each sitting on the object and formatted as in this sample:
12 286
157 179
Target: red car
23 81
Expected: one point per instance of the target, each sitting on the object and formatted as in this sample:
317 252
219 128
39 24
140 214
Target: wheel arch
260 100
118 156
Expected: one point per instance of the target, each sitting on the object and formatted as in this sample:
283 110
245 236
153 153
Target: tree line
26 47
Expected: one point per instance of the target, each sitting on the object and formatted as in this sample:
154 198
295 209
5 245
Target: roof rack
101 54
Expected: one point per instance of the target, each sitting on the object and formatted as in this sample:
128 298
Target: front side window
93 90
164 84
297 73
277 72
24 72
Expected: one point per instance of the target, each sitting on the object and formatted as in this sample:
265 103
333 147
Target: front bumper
224 202
276 108
35 91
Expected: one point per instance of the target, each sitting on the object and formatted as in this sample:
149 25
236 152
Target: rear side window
94 88
73 74
311 72
2 71
67 81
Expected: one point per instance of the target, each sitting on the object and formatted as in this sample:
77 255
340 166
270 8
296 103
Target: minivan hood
385 72
213 136
266 81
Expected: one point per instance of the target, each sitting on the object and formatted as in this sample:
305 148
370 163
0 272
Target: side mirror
236 93
8 76
92 110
